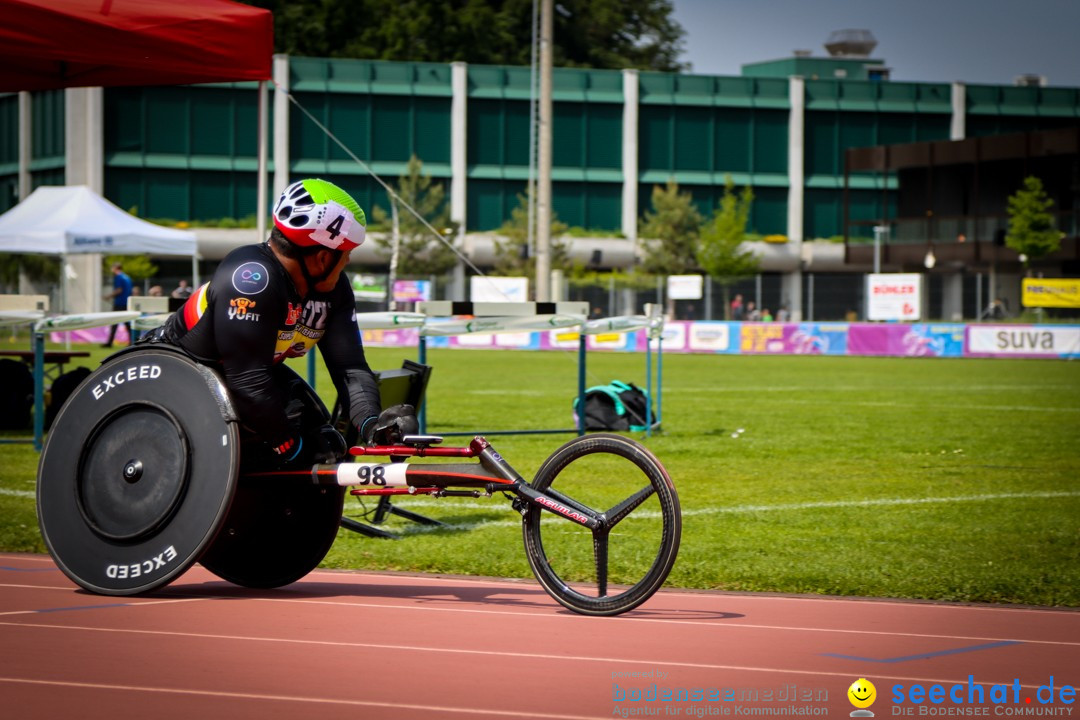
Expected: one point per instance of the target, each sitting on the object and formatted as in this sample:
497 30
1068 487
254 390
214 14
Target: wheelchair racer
277 300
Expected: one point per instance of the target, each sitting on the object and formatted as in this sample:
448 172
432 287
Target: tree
419 251
610 34
720 253
1031 224
672 227
511 256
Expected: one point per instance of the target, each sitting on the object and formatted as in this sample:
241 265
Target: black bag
617 406
16 395
61 390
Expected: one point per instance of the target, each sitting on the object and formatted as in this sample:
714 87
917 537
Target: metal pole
978 296
39 388
612 310
543 190
395 235
648 385
260 201
421 357
659 380
708 297
810 297
879 230
581 383
311 368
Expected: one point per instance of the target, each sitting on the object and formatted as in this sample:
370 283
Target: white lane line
543 613
501 654
287 698
101 606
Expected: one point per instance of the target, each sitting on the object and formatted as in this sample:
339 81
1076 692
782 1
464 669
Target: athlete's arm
247 315
344 356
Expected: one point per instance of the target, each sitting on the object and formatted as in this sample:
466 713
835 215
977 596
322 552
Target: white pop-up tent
67 220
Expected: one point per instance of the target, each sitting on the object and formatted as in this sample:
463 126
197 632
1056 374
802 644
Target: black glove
326 446
392 425
292 455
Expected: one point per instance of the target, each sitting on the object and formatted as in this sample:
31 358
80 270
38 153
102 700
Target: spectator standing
752 313
119 296
737 307
182 291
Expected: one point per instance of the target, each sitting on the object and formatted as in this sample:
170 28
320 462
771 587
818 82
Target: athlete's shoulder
343 289
248 270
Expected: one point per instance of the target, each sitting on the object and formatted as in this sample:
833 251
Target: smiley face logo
862 693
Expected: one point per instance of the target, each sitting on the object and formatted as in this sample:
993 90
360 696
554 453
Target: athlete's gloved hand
292 455
326 446
393 423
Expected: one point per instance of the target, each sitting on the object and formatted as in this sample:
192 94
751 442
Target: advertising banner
486 288
894 296
1051 293
685 287
716 337
819 339
922 340
769 338
1032 341
411 291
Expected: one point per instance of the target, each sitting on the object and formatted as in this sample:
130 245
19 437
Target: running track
363 645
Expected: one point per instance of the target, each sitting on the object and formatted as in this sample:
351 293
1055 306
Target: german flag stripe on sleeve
195 306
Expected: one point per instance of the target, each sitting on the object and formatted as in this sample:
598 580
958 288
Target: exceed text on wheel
138 472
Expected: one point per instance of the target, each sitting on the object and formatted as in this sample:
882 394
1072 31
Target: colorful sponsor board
874 339
1050 292
916 340
894 296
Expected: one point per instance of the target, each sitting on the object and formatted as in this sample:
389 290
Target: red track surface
363 645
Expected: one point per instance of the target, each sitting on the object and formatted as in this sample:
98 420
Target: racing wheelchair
147 470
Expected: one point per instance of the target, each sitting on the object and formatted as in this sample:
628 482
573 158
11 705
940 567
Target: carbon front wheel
620 565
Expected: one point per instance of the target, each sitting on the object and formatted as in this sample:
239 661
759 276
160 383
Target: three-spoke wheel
619 565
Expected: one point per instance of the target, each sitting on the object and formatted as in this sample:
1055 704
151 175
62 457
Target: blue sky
974 41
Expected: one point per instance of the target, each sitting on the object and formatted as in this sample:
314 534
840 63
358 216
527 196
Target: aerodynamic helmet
316 212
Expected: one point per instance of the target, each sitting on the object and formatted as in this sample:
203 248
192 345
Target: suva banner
1033 341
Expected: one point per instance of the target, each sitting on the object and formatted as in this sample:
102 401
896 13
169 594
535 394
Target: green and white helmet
316 212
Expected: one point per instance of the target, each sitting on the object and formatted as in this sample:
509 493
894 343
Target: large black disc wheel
620 565
138 471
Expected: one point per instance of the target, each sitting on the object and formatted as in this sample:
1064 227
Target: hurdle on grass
446 318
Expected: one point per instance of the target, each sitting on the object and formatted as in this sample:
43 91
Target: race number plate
372 474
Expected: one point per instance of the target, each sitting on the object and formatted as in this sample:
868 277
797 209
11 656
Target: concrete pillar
281 125
952 297
958 125
630 155
84 151
791 288
459 167
25 145
791 293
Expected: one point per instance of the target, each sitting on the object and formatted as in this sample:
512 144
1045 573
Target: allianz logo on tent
106 241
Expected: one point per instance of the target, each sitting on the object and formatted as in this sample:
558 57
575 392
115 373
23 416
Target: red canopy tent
47 44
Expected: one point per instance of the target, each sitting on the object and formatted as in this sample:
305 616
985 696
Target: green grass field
914 478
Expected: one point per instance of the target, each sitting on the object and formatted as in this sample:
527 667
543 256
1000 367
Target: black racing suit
250 317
